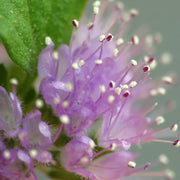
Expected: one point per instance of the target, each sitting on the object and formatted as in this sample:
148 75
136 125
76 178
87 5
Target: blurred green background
163 16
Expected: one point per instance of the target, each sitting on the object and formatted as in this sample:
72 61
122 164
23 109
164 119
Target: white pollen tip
56 100
115 52
160 120
132 84
167 79
96 3
95 10
135 40
161 91
81 63
92 144
65 104
166 58
98 61
14 81
33 153
124 87
75 23
102 88
55 55
39 103
113 146
75 66
134 12
118 90
133 62
102 37
119 41
6 154
153 92
174 127
111 98
112 84
48 40
170 174
84 160
109 37
163 159
131 164
69 86
64 119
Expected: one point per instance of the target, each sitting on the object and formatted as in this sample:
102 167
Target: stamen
33 153
84 160
133 62
96 3
163 159
167 80
161 91
174 127
48 40
75 23
64 119
146 68
102 37
134 12
102 88
132 84
153 92
115 52
92 144
126 94
176 143
65 104
98 61
90 25
131 164
39 103
112 84
55 55
109 37
160 120
95 10
81 63
119 41
118 90
56 100
69 86
6 154
111 98
13 81
75 66
135 40
125 86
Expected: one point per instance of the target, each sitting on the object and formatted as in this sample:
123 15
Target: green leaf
3 75
24 24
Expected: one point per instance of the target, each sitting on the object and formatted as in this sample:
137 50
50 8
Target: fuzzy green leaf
24 24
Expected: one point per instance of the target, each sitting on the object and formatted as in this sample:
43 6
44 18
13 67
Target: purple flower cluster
95 86
21 140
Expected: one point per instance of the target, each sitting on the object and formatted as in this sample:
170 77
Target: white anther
96 10
102 37
6 154
81 63
56 100
69 86
132 164
110 37
33 153
161 91
119 41
167 79
153 64
39 103
118 90
111 98
115 52
75 23
92 144
112 84
170 174
55 55
84 160
98 61
135 40
163 159
149 40
113 146
65 104
174 127
125 86
153 92
75 65
146 59
90 25
14 81
96 3
166 58
132 84
120 5
160 120
102 88
134 12
64 119
134 62
48 40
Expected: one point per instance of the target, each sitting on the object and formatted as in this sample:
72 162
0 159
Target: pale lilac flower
103 79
